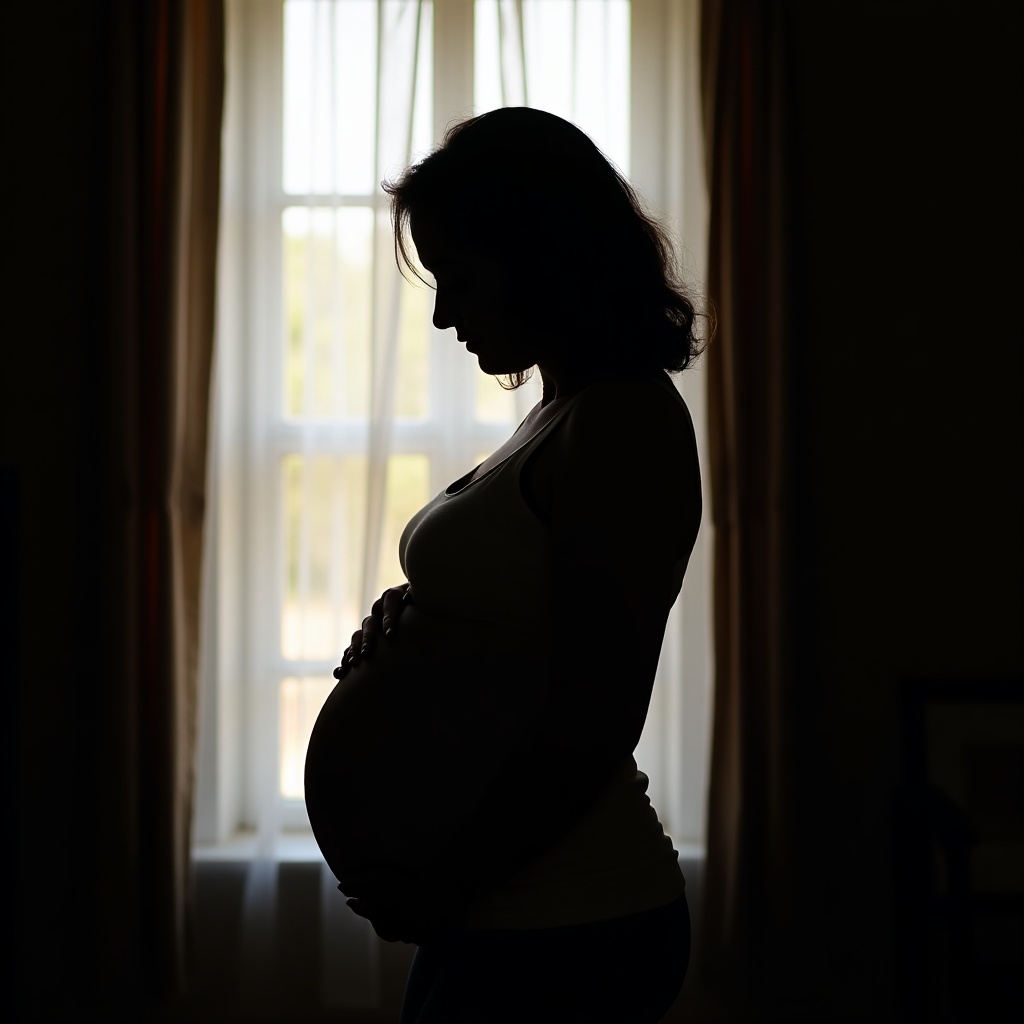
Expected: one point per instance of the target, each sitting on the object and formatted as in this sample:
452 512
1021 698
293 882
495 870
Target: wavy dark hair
533 191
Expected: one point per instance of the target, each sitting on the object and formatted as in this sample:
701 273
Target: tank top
477 554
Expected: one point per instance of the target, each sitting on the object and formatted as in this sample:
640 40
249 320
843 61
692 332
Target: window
339 409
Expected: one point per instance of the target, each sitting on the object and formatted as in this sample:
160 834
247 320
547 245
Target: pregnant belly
408 741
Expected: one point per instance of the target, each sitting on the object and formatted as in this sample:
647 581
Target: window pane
408 490
412 386
324 505
326 267
301 701
408 73
412 302
494 404
330 76
577 64
329 324
332 140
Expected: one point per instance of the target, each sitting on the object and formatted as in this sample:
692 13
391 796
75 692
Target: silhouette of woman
470 780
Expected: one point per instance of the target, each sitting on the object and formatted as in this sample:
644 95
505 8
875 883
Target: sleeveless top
478 554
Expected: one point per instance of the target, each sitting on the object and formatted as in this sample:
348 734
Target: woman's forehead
435 245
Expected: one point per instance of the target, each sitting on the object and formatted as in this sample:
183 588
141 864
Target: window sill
289 847
300 847
689 851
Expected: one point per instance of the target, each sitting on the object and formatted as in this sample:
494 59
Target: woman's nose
443 314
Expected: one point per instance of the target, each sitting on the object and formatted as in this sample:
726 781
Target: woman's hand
401 907
383 618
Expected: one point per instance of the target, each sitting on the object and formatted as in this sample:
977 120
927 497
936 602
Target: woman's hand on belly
399 905
407 742
384 615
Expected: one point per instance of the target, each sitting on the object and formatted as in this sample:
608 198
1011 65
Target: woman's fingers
371 626
346 663
383 617
394 600
350 656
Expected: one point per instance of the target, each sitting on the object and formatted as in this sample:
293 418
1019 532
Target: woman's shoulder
630 431
626 460
619 439
630 407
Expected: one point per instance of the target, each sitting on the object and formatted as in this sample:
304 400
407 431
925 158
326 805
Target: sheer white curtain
667 153
345 365
341 410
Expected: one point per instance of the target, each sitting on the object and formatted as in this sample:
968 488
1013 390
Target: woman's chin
499 367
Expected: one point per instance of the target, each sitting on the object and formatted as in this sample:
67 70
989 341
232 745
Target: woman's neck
564 385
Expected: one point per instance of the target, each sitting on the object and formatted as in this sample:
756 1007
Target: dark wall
49 121
908 174
909 165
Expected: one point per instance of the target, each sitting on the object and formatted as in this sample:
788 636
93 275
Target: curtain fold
159 135
752 892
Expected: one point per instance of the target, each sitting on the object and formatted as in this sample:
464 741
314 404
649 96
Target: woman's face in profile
475 295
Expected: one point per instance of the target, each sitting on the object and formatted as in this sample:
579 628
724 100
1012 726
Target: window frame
239 681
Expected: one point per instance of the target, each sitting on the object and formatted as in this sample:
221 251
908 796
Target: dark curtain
163 131
755 884
108 712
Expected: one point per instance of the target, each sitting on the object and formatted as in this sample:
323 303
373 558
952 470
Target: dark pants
625 971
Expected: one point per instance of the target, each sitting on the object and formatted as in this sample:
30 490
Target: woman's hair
533 191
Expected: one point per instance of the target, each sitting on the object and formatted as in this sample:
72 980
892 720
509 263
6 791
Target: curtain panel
755 880
154 201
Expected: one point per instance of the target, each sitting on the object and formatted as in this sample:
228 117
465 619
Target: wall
908 184
48 70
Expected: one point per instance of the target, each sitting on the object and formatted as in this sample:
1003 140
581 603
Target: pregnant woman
470 780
